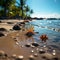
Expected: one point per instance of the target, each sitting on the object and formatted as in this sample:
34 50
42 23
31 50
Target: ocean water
49 27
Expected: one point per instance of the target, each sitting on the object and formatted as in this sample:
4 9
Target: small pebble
2 52
37 49
44 46
35 54
55 58
32 46
32 51
41 51
17 43
22 46
21 57
54 53
14 56
5 34
31 57
15 39
28 45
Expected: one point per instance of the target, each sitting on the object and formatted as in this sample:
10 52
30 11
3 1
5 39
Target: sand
9 45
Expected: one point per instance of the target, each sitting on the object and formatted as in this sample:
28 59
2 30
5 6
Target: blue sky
45 8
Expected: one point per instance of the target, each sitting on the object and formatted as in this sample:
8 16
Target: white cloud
52 15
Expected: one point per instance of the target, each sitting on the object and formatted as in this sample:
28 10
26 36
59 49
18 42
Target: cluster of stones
44 55
42 51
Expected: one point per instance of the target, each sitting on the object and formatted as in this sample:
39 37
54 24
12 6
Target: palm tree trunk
21 1
5 12
5 9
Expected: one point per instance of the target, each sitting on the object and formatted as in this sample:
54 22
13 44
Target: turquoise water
49 27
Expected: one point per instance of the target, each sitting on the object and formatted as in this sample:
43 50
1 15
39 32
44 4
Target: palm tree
27 11
21 2
31 11
5 4
9 8
24 9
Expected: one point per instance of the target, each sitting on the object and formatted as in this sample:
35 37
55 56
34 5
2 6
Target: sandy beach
10 46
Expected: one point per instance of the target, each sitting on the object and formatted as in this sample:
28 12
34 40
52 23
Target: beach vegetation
15 9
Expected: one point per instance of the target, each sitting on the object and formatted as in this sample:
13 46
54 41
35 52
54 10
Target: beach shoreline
9 45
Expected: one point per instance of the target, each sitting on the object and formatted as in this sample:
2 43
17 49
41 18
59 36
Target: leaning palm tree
5 4
24 7
21 2
27 11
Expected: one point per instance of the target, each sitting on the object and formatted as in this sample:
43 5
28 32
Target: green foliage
13 8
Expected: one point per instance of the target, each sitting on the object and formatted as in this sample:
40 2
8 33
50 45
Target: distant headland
46 18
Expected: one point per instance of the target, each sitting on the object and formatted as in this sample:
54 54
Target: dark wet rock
41 51
35 44
3 54
29 34
0 21
22 22
16 27
3 29
37 32
27 45
1 34
43 57
55 58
